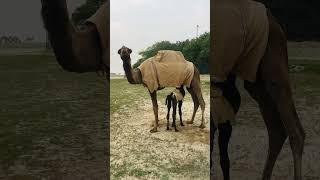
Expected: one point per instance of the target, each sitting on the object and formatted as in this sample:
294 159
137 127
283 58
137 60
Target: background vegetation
195 50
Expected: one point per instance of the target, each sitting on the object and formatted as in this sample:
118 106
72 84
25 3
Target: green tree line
195 50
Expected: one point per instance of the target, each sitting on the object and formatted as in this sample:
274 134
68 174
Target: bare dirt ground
138 154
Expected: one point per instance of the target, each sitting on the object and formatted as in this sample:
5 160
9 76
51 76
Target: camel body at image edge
271 90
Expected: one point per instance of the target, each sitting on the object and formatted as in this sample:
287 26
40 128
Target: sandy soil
137 153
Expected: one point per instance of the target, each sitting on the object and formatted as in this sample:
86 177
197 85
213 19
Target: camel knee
203 105
155 107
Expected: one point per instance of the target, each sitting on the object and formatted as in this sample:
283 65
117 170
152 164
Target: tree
195 50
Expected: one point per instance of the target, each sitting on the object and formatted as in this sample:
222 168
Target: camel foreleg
155 111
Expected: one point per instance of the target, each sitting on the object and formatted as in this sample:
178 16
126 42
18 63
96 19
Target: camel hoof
189 122
202 126
153 130
176 130
168 128
182 124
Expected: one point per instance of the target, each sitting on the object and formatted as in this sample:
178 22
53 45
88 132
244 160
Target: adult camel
80 51
270 87
134 76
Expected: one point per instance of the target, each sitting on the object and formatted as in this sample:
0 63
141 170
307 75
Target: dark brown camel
173 100
272 92
134 77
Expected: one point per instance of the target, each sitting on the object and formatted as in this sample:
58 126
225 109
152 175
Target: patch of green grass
124 94
137 172
42 105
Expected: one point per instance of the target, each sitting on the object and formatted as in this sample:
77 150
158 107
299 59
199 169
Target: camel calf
174 98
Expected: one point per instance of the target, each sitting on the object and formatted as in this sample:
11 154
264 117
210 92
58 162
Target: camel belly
240 32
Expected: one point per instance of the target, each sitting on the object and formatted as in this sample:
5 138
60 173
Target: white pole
197 31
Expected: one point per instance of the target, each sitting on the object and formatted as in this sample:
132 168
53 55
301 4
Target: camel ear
130 51
119 51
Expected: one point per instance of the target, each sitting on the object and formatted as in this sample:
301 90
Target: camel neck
133 75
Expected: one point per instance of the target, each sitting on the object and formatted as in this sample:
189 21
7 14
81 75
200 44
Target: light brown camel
272 91
134 77
85 50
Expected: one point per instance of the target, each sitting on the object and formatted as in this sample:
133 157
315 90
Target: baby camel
174 98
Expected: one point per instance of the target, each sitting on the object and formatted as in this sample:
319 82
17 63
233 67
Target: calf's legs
180 112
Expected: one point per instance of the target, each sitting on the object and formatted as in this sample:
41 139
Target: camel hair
172 100
134 77
272 92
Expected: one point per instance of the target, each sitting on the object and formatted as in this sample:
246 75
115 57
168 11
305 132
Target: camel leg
196 88
155 111
223 116
213 129
195 104
274 72
180 113
225 130
168 114
174 112
281 95
276 131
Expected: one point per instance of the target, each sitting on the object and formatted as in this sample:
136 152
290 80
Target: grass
124 94
48 117
52 123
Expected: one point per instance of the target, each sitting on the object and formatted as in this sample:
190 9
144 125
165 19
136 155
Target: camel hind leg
196 94
195 104
273 71
276 131
284 103
174 111
180 112
168 103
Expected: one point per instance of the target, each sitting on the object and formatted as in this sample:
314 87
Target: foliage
195 50
86 10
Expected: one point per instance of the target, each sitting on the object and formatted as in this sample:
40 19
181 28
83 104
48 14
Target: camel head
124 53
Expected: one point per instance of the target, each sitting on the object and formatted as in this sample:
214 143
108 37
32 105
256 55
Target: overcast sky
138 24
22 17
134 23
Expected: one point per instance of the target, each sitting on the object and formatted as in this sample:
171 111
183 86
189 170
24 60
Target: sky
22 18
138 24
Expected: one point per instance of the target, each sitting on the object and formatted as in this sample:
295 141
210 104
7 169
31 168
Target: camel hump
166 69
169 56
